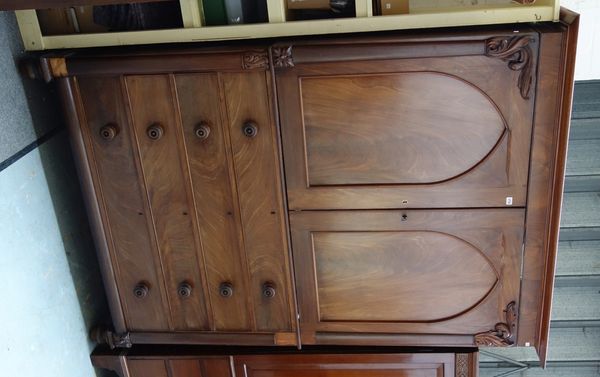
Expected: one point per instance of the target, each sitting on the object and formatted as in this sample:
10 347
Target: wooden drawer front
238 197
409 272
399 365
432 132
259 190
178 367
108 137
163 164
214 196
188 169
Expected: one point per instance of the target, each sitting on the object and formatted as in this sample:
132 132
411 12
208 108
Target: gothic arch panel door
408 122
408 277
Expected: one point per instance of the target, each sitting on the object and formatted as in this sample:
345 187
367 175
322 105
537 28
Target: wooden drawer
412 125
367 277
187 177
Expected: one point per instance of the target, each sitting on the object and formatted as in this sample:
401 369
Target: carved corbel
112 339
503 333
518 54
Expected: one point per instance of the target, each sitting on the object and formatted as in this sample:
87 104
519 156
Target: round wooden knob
202 131
404 217
109 131
226 290
250 129
141 290
268 290
155 131
184 289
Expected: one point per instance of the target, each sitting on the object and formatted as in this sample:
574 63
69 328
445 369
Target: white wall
588 47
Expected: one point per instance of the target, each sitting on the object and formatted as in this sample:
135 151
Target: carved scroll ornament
282 57
503 333
518 54
255 60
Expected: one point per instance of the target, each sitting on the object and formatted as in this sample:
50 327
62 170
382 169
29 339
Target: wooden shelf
492 12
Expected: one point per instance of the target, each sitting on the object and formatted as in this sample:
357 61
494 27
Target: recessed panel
398 128
405 276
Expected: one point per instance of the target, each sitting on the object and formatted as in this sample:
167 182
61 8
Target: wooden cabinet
342 364
419 181
185 169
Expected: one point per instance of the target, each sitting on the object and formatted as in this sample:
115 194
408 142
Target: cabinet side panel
165 173
122 199
259 190
540 187
216 207
548 159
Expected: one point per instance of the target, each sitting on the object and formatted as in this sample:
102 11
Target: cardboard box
308 4
393 7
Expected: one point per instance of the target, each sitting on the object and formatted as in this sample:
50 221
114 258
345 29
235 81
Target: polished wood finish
431 141
216 203
177 366
413 164
548 158
73 109
165 175
261 363
120 189
414 272
255 160
206 197
449 131
347 365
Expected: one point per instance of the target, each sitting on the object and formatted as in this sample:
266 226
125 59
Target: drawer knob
155 131
109 131
226 290
141 290
268 290
202 131
184 290
250 129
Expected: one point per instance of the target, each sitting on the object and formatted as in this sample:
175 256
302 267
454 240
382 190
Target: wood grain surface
386 271
122 195
260 194
318 139
216 201
348 365
404 276
401 128
165 171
